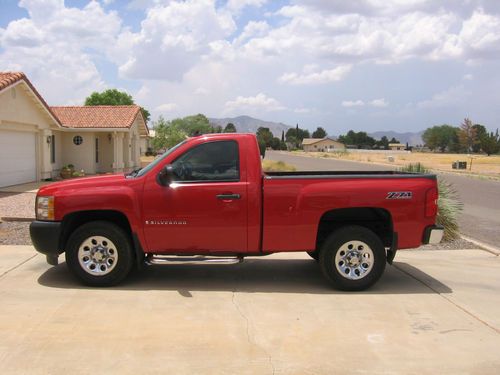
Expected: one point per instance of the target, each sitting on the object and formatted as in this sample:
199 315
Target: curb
489 248
17 219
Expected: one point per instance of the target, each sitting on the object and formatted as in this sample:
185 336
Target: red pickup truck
207 200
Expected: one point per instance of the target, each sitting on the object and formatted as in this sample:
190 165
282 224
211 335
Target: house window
97 150
77 140
52 149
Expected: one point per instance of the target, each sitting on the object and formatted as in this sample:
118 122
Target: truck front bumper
45 237
433 234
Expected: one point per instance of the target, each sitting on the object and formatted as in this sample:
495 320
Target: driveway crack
17 266
249 339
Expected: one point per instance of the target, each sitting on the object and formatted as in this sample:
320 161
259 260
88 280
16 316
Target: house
397 146
37 140
322 145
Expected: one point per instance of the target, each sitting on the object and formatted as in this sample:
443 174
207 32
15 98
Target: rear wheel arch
376 219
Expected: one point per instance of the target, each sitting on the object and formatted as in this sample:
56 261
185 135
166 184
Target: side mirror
166 175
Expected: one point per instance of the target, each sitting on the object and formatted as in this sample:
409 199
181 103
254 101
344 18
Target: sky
366 65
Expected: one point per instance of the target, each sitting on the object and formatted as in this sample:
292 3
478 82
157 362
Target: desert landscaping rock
14 233
20 205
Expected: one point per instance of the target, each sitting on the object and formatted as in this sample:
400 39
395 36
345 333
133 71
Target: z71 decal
399 195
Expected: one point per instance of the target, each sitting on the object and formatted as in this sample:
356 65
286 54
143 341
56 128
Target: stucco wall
16 106
323 145
81 156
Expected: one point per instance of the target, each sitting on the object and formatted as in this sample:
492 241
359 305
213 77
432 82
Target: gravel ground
17 233
14 233
17 205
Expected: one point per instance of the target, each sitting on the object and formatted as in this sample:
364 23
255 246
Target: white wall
81 156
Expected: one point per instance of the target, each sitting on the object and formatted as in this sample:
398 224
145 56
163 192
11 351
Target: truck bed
344 174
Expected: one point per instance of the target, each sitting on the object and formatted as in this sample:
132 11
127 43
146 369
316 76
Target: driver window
214 161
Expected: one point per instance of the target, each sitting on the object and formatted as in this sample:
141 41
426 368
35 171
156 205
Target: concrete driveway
433 312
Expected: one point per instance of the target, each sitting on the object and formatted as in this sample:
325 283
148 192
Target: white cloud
448 98
166 107
324 76
57 47
353 103
380 103
257 102
302 110
177 35
237 5
468 77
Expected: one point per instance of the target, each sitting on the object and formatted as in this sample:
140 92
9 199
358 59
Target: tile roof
99 116
9 78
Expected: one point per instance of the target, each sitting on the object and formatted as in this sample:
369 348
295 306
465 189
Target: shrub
449 204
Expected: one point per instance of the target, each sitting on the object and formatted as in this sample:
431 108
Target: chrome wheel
354 260
97 255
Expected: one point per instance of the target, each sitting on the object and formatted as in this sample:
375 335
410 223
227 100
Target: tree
393 140
481 133
275 143
282 136
467 135
295 136
114 97
169 133
166 134
442 138
319 133
230 128
359 139
193 125
383 143
265 135
491 143
218 129
262 148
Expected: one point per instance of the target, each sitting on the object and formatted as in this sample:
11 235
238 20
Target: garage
17 157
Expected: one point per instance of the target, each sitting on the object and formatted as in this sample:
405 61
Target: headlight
45 208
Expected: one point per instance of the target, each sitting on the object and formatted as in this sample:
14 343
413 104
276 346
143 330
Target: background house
322 145
36 140
397 146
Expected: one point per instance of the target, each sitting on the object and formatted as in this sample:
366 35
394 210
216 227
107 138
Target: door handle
228 196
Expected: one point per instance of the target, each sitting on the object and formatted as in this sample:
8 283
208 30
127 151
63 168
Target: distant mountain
412 139
247 124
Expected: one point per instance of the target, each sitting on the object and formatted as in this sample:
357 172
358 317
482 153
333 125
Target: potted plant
67 171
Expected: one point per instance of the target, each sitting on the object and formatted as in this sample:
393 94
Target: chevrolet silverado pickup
207 200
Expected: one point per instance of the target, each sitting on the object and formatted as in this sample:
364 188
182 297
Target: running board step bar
199 259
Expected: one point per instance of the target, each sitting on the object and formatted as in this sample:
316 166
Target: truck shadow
253 276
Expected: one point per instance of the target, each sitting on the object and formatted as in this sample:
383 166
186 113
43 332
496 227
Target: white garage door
17 157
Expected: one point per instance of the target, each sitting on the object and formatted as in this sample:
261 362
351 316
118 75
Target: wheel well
377 220
72 221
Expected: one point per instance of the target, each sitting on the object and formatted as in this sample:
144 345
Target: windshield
151 165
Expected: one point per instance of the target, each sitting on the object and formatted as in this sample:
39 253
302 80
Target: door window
214 161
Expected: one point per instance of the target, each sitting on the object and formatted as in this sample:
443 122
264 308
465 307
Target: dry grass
481 164
276 166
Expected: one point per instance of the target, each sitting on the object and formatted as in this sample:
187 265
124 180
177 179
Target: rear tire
99 253
352 258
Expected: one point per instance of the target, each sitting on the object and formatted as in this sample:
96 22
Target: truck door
205 208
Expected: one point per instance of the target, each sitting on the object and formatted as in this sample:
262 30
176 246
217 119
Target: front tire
352 258
99 253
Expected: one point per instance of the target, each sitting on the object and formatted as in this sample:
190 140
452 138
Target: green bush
449 204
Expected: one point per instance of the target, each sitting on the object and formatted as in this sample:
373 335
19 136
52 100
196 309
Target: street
481 216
